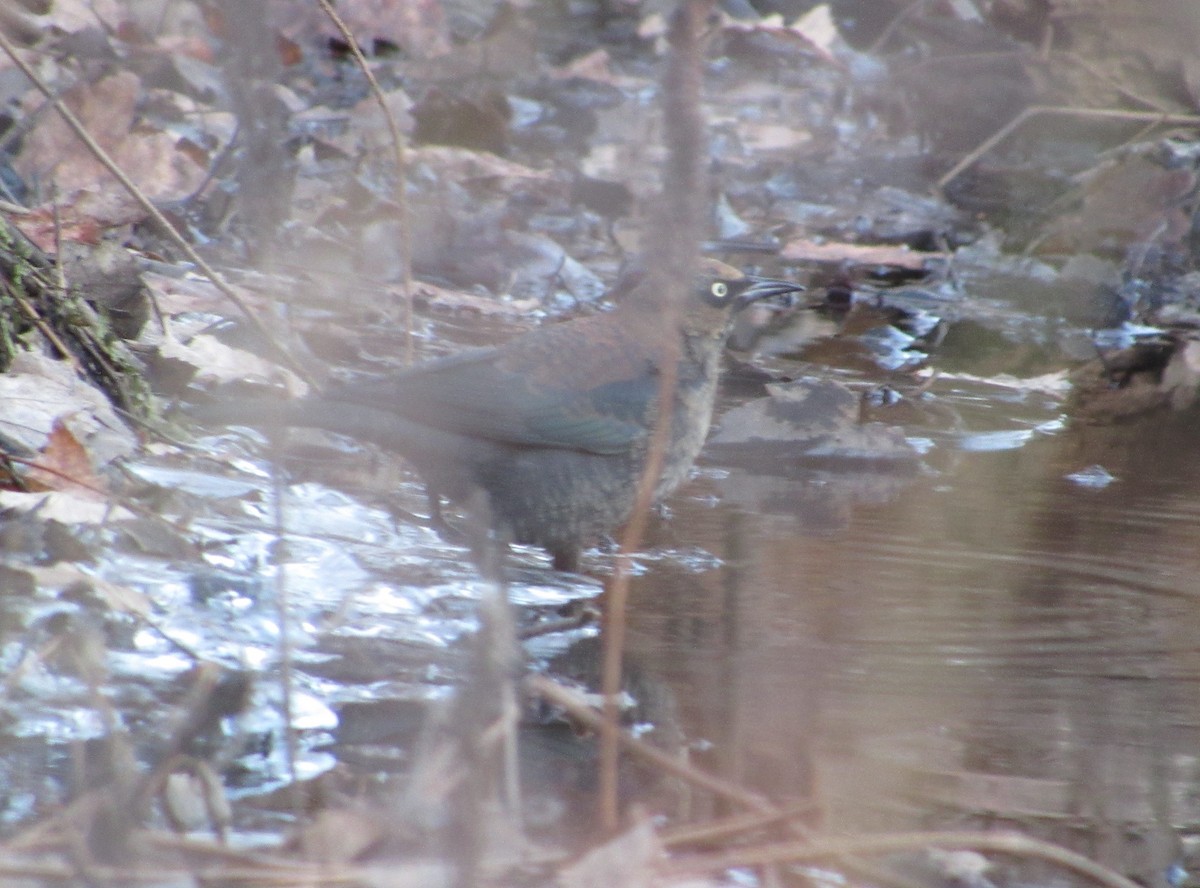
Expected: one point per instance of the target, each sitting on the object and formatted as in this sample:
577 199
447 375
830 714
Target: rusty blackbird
553 427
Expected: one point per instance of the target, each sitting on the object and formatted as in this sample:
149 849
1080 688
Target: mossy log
42 306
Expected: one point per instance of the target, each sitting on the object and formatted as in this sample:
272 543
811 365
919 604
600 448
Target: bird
548 433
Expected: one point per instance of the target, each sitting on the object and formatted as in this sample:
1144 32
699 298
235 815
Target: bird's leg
566 559
436 519
487 538
488 547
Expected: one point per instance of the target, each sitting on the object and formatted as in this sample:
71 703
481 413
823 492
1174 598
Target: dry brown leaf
41 227
194 46
339 835
216 362
858 254
176 295
595 65
417 26
816 30
455 300
64 464
461 165
72 16
1134 200
52 153
759 137
39 391
629 860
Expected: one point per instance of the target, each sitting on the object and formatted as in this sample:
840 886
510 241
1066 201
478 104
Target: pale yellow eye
719 289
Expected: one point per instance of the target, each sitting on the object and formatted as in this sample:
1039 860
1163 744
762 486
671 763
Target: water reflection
982 641
993 644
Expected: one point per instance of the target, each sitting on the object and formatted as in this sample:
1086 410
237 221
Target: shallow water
989 643
1006 636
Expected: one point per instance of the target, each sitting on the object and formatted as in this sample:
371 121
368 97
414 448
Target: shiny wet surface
1004 636
990 643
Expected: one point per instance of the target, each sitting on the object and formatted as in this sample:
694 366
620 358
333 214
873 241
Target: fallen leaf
1133 200
44 230
73 16
107 109
804 250
455 300
418 26
216 362
818 28
63 506
38 391
339 835
629 860
64 464
774 136
463 166
595 65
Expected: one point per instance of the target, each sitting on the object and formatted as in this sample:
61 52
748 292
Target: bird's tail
357 421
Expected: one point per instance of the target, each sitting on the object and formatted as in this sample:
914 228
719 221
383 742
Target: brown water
983 642
990 644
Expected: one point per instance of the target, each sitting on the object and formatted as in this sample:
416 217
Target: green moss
26 279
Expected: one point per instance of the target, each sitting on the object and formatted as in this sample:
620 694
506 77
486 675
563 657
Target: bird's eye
719 289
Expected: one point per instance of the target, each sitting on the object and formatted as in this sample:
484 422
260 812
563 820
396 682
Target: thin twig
580 710
675 239
46 330
401 191
617 597
1062 111
168 230
57 473
885 35
60 288
284 619
728 828
890 843
60 270
1112 82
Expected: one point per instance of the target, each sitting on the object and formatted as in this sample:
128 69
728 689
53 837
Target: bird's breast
696 388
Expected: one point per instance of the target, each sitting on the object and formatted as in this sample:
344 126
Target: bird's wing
476 394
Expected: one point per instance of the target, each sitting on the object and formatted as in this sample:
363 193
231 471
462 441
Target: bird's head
721 291
718 292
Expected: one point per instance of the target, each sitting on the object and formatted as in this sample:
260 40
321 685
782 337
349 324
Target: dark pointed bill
769 288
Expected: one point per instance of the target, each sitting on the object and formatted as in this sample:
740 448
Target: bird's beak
768 288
